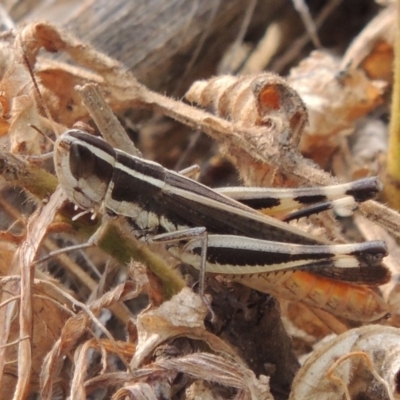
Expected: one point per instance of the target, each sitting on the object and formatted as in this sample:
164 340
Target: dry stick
104 118
19 172
23 261
235 47
302 8
298 45
120 310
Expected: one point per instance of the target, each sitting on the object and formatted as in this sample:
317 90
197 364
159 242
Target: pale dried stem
108 124
23 261
120 310
240 37
88 310
298 45
55 302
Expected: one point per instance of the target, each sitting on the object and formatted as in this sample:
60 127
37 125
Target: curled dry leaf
266 116
259 100
18 102
217 369
141 391
182 316
361 363
335 99
20 107
202 367
184 312
372 49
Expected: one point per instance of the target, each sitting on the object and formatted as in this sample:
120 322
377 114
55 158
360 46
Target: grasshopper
220 232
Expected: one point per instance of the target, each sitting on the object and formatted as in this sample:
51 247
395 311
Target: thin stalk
392 178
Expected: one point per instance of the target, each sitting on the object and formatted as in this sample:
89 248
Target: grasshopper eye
81 161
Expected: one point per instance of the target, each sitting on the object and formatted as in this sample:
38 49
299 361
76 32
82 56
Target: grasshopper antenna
42 133
44 156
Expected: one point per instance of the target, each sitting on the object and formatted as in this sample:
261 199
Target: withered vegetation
121 320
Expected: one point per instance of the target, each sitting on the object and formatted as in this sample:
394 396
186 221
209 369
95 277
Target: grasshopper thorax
84 166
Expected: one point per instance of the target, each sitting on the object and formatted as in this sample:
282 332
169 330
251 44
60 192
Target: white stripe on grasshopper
93 149
248 243
135 174
340 254
330 192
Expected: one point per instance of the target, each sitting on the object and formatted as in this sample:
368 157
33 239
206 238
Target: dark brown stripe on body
240 257
133 189
84 164
222 221
310 199
92 140
260 203
365 274
182 182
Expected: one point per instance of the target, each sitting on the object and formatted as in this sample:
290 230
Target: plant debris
120 319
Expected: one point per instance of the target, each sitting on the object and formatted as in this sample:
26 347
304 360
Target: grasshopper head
84 166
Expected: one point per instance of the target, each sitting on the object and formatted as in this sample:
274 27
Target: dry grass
117 321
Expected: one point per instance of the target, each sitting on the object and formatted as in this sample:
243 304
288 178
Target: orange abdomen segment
355 302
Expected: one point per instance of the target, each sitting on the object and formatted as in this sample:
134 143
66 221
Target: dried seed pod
361 363
261 100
